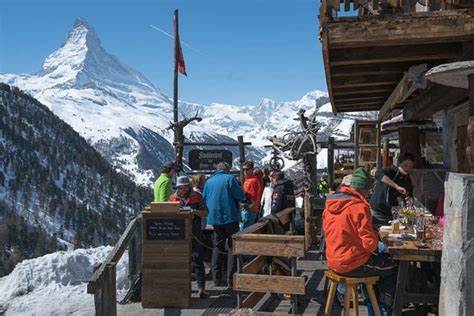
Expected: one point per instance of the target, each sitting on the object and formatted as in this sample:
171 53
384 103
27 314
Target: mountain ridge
117 110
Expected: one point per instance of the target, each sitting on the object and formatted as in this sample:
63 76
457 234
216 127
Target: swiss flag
178 54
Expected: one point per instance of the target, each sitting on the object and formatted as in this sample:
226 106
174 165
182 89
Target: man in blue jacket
222 194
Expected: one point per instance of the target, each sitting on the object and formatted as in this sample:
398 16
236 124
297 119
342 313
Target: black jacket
385 196
283 196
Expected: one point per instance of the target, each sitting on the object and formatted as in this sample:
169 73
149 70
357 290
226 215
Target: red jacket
252 188
350 236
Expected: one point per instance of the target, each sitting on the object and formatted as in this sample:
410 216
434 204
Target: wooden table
406 251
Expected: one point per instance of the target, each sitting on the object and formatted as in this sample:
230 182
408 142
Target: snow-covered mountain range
124 116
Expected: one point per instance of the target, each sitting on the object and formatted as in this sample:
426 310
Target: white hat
182 180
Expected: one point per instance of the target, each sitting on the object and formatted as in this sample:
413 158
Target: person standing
192 201
222 195
266 201
163 187
392 182
197 182
252 190
283 192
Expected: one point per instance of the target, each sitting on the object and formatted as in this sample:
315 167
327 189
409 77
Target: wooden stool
351 289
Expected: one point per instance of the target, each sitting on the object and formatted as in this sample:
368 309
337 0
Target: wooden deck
223 302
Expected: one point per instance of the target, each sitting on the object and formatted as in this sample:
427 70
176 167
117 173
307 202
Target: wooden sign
166 256
165 229
208 159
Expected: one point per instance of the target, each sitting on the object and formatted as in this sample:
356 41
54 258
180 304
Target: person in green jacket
163 187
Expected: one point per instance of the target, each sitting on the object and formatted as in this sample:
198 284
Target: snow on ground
55 284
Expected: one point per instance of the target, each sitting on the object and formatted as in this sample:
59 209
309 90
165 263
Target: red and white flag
178 52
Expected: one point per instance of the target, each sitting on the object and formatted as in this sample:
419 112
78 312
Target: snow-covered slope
55 284
124 116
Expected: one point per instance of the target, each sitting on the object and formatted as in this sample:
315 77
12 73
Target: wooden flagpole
175 83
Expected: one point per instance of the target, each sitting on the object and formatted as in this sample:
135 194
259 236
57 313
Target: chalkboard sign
165 229
208 159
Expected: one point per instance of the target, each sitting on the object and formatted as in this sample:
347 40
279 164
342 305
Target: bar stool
350 284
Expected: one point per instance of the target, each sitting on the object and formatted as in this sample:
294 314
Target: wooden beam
363 95
374 55
361 99
442 57
350 103
414 28
363 91
365 81
412 80
358 108
252 299
361 73
268 245
285 215
254 266
269 283
325 46
433 99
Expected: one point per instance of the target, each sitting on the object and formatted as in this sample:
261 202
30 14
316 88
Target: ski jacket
163 188
350 236
252 189
222 194
283 196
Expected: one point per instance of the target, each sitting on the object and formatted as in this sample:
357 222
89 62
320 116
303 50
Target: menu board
165 229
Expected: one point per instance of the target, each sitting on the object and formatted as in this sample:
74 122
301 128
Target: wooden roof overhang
366 57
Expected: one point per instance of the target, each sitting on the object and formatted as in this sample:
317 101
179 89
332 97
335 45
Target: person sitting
392 182
191 200
163 187
352 243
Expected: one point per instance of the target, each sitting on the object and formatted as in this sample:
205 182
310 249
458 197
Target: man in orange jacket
352 243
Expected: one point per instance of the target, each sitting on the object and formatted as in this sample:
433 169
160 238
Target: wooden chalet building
413 62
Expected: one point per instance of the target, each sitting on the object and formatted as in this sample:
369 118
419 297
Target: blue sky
249 48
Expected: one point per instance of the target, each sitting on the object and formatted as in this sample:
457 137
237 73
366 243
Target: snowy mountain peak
81 62
314 95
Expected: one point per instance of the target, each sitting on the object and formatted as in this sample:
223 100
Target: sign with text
165 229
208 159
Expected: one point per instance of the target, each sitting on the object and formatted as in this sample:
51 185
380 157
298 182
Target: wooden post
331 162
294 297
135 254
109 291
470 126
175 81
308 222
356 144
240 139
379 145
385 153
239 270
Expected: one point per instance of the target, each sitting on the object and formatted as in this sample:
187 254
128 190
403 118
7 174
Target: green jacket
163 188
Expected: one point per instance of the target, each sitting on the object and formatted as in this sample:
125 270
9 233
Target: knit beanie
360 179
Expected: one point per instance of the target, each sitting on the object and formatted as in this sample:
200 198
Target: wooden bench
350 284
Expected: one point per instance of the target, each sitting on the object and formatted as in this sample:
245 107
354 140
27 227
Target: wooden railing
103 283
268 249
330 8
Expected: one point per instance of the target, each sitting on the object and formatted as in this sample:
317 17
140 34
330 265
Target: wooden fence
103 283
268 273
